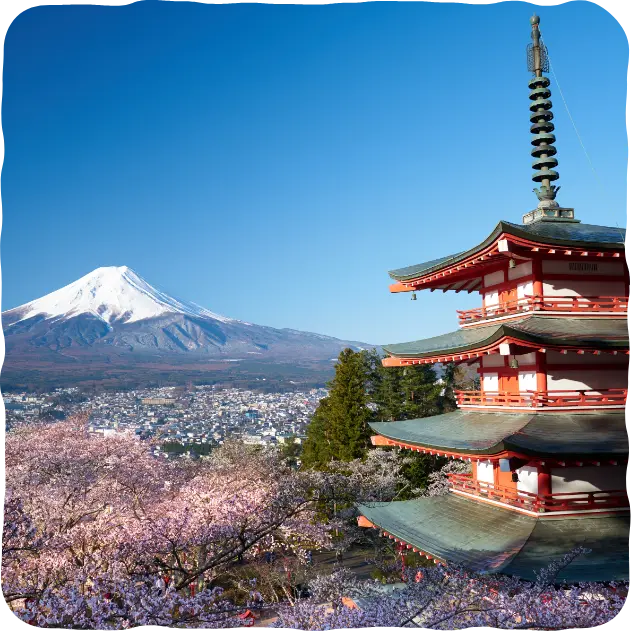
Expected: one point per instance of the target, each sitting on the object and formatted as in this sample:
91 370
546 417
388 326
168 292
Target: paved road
354 560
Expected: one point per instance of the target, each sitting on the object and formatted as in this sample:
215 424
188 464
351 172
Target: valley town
185 420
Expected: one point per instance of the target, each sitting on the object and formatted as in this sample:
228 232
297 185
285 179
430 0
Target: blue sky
271 163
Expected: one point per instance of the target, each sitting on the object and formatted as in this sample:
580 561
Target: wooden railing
543 399
565 304
539 503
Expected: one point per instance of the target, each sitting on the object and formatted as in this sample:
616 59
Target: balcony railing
563 304
542 399
554 502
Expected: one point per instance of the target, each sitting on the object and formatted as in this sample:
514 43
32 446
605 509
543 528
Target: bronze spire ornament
543 139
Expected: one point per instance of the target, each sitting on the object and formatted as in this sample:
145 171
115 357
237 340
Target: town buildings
185 420
545 434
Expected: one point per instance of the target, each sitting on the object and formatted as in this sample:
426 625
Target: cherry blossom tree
100 534
104 603
454 598
242 501
438 481
91 515
77 493
377 477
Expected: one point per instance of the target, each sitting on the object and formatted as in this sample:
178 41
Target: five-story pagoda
545 434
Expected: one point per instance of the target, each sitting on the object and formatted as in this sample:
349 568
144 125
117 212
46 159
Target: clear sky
271 163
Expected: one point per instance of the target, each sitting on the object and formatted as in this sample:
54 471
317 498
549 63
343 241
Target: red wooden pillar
542 373
544 481
537 283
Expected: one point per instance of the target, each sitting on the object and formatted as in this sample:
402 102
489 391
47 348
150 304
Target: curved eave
532 332
458 432
585 437
536 235
488 539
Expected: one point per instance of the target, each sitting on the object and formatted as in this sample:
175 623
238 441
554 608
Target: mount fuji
110 294
113 318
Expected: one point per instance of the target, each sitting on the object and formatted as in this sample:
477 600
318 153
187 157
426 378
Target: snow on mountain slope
112 319
113 294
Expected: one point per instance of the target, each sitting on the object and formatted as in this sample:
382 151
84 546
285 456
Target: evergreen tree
291 450
389 397
316 450
417 469
374 372
421 391
339 427
410 392
348 412
448 397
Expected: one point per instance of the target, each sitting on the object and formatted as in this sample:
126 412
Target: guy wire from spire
578 135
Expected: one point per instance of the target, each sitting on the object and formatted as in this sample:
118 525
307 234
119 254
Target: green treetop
339 428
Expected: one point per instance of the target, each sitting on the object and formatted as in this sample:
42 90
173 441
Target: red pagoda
545 434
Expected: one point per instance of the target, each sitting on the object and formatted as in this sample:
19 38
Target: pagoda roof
576 332
486 538
553 233
473 432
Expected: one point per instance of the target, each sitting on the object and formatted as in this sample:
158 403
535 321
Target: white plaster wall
556 358
494 278
587 380
527 480
587 479
491 299
523 269
525 289
485 471
589 288
490 382
527 380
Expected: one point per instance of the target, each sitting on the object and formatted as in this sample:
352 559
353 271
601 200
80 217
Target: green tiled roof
459 431
606 537
598 434
545 232
489 539
471 432
416 270
544 330
563 233
454 341
454 529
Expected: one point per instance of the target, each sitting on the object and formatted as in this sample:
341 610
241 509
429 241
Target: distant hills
113 327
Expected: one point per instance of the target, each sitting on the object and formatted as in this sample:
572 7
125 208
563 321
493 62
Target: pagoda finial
542 127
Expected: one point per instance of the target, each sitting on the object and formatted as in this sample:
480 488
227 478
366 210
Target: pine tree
316 450
389 396
374 373
339 427
417 469
348 412
421 391
291 450
448 396
407 393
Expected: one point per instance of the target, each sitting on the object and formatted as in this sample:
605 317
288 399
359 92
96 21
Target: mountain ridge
114 317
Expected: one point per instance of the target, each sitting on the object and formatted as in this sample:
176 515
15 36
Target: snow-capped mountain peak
113 294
